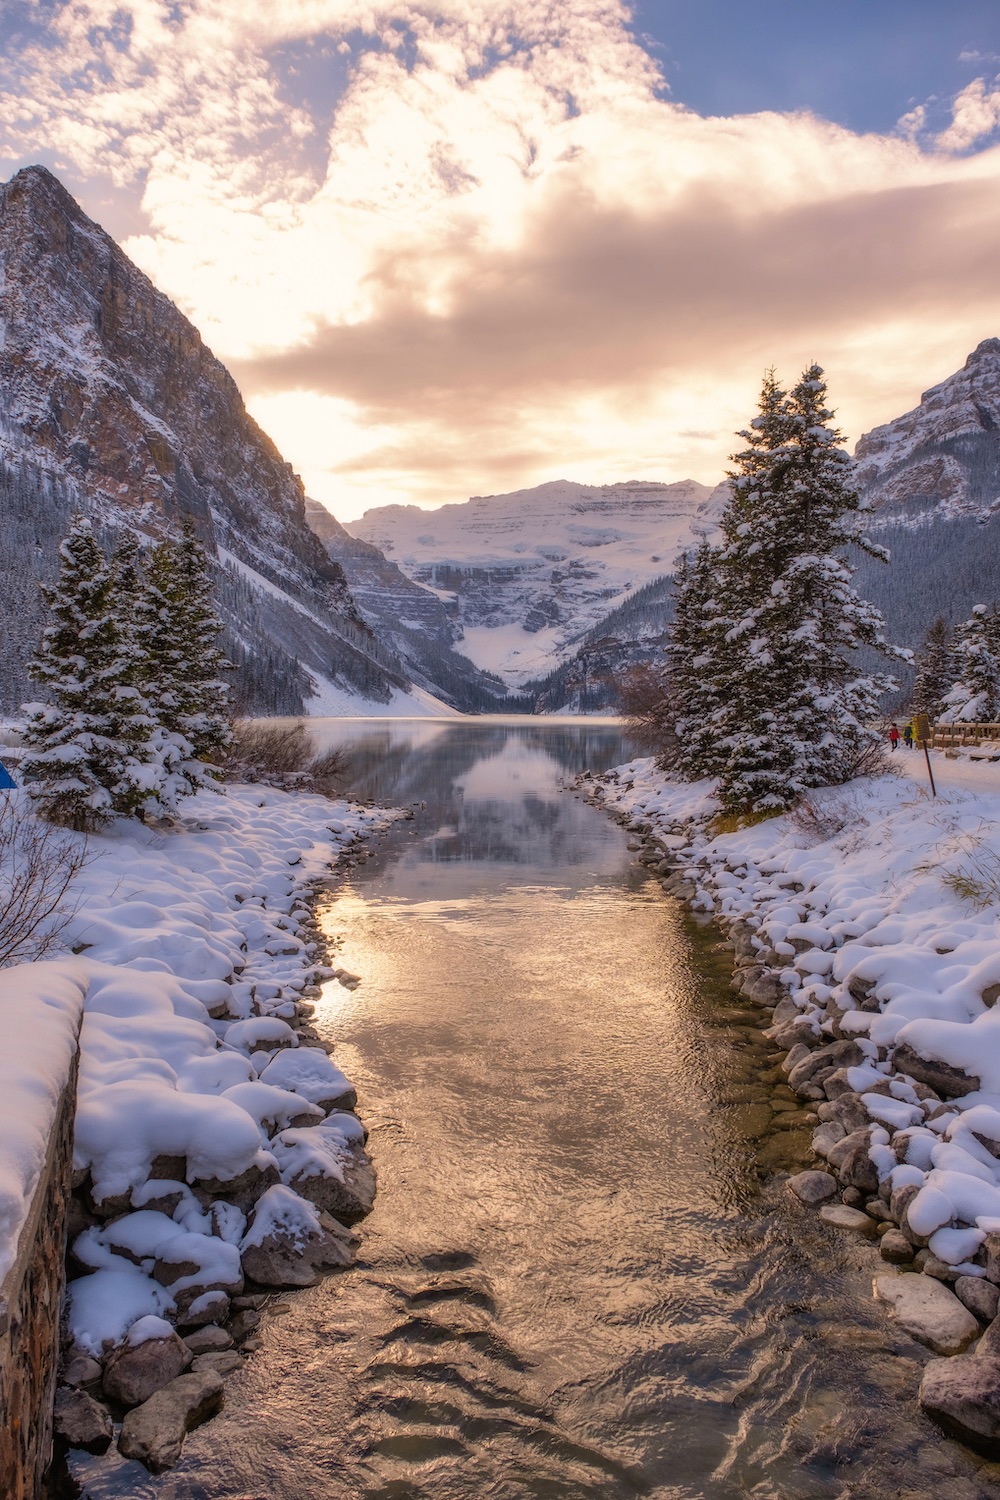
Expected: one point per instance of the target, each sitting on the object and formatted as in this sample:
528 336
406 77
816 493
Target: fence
953 736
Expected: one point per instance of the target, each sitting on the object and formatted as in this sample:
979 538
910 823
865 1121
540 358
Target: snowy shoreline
867 924
217 1154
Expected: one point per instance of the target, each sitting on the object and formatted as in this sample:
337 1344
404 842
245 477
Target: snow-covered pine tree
975 696
138 726
693 669
178 632
935 671
795 709
77 764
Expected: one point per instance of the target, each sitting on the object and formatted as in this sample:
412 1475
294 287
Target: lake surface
582 1277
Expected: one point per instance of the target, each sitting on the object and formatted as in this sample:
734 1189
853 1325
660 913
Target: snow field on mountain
189 959
889 898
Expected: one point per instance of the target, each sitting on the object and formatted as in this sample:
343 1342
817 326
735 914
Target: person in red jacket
894 736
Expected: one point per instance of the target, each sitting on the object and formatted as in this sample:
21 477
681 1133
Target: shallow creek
581 1277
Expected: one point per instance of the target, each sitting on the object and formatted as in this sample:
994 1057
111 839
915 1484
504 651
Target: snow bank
40 1009
191 959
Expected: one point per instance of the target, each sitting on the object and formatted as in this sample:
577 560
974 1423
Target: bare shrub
868 759
282 754
38 865
823 820
646 711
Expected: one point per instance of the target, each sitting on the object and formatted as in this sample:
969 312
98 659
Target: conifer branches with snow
762 663
935 671
976 694
133 680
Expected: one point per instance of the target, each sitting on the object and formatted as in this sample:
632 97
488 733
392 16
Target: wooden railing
952 736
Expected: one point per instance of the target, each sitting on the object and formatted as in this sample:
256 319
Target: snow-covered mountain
943 457
110 401
526 576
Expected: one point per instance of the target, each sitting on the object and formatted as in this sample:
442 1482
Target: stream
582 1277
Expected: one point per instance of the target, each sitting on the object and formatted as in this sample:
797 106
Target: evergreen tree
794 708
77 763
693 671
935 672
178 633
975 697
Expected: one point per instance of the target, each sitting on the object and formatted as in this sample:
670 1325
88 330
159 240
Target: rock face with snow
527 575
109 399
944 456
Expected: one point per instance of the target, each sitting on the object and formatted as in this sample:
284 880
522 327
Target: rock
900 1200
929 1265
835 1055
208 1340
858 1170
848 1110
763 989
926 1309
842 1217
852 1198
223 1361
895 1248
82 1422
286 1257
82 1370
797 1055
836 1084
207 1307
154 1433
812 1187
243 1324
827 1136
135 1371
990 995
243 1190
963 1397
347 1197
989 1344
949 1082
980 1296
991 1251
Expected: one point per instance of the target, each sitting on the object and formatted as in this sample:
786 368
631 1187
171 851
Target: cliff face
107 387
944 456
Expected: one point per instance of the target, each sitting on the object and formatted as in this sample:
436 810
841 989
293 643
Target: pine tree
975 697
692 675
77 763
178 631
935 672
795 711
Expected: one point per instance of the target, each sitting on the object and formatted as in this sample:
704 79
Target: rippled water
581 1278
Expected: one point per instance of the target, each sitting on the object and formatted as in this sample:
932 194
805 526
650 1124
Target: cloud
975 115
478 247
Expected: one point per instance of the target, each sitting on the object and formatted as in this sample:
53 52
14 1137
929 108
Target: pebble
842 1217
895 1247
813 1187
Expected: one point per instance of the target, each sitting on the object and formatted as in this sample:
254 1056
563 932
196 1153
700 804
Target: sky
459 247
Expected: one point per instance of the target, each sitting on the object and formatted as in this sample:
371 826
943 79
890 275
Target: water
581 1278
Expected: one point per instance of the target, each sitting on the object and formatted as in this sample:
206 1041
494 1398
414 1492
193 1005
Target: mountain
528 577
931 479
421 628
110 402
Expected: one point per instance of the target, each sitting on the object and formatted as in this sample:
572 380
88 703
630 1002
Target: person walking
908 736
894 736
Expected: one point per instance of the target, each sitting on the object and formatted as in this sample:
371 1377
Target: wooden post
923 735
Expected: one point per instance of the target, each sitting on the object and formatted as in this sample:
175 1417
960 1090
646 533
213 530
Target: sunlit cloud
461 246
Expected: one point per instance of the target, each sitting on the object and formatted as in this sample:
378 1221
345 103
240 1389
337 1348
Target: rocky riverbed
875 1120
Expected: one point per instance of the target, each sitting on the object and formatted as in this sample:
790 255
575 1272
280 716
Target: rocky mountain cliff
528 577
944 456
110 400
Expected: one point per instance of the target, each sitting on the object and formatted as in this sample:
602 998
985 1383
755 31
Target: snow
40 1010
330 700
188 954
899 895
280 1210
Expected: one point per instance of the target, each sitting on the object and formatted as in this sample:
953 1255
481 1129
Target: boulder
222 1361
980 1296
827 1136
949 1082
963 1397
82 1370
991 1251
82 1422
347 1193
989 1344
825 1060
243 1325
858 1170
926 1309
243 1190
154 1432
135 1371
842 1217
846 1108
895 1248
290 1242
208 1340
812 1187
